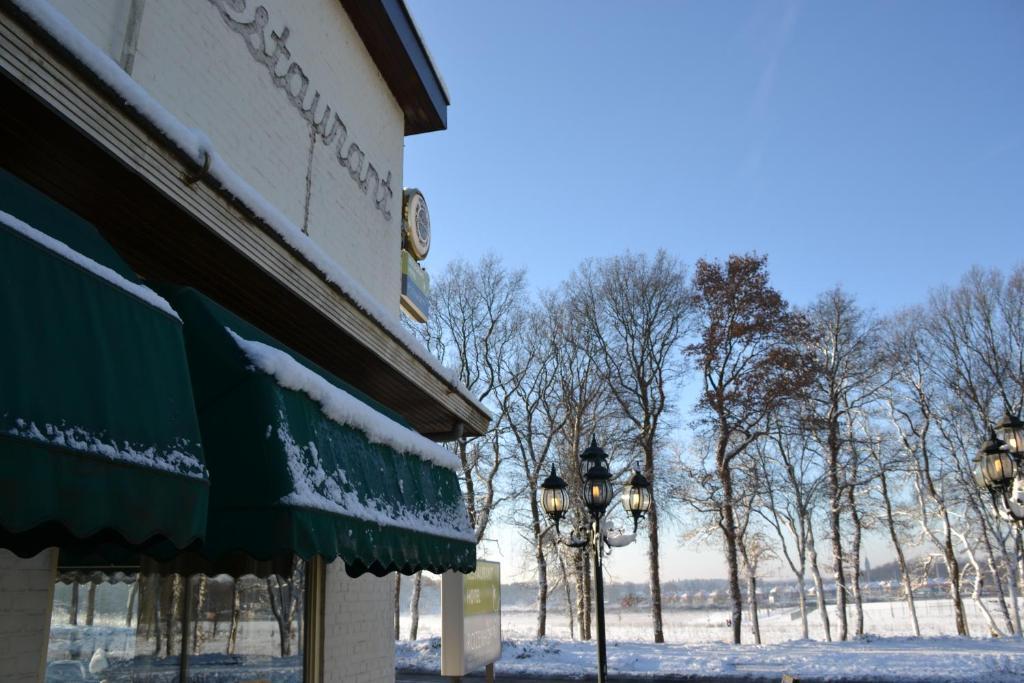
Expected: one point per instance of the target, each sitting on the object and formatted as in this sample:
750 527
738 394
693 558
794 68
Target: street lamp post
998 468
597 494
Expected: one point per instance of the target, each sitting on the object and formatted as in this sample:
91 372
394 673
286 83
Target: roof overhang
62 131
394 43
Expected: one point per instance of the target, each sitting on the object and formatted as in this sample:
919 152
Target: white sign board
470 619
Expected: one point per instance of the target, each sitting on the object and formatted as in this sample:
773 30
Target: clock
415 223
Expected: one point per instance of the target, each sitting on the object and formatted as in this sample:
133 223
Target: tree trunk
755 624
900 557
953 570
568 596
993 628
804 632
1012 625
731 549
855 563
819 588
236 616
1012 581
73 610
414 606
173 615
398 606
130 610
542 592
283 603
90 604
542 562
198 635
652 549
835 529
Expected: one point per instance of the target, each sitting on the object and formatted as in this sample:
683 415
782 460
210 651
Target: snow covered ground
936 659
711 625
697 645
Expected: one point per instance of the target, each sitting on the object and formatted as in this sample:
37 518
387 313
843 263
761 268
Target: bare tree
887 462
912 414
414 605
588 410
476 318
536 420
750 367
791 484
286 595
849 375
636 310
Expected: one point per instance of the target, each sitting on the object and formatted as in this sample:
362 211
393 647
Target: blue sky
877 145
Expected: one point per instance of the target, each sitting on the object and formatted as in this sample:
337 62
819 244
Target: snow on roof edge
136 290
197 145
342 407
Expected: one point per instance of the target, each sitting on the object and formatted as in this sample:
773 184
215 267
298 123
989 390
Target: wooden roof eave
61 130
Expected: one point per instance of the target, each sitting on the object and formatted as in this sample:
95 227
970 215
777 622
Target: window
138 624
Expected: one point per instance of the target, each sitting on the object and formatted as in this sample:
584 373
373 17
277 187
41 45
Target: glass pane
114 627
158 631
128 627
247 629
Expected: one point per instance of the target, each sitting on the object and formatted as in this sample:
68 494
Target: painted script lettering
271 50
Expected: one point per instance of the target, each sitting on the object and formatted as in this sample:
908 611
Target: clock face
422 225
416 224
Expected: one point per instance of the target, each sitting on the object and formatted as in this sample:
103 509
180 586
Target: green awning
302 463
99 441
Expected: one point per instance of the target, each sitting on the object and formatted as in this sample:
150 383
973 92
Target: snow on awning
302 463
98 433
198 147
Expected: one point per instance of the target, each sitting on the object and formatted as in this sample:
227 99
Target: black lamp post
597 495
997 468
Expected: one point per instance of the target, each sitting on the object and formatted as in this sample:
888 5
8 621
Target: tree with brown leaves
751 365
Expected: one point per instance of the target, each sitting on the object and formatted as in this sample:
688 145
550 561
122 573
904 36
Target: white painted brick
26 597
358 630
202 72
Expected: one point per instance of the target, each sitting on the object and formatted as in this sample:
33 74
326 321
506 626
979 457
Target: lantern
593 456
1011 430
636 497
597 489
554 497
997 467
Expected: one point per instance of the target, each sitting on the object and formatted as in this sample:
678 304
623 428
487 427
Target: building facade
217 439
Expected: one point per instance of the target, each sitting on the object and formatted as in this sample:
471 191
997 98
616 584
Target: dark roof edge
395 44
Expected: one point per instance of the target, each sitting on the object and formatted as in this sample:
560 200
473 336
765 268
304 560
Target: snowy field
711 625
935 660
697 644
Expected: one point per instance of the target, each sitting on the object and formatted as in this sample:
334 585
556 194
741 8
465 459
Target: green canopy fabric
99 440
302 463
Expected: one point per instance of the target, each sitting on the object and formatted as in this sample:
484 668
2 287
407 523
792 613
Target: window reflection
147 627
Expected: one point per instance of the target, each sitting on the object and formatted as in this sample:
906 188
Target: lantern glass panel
636 499
1014 439
597 493
979 473
1000 469
554 501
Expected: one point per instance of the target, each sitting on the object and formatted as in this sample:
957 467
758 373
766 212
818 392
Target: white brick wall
202 72
359 628
26 597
